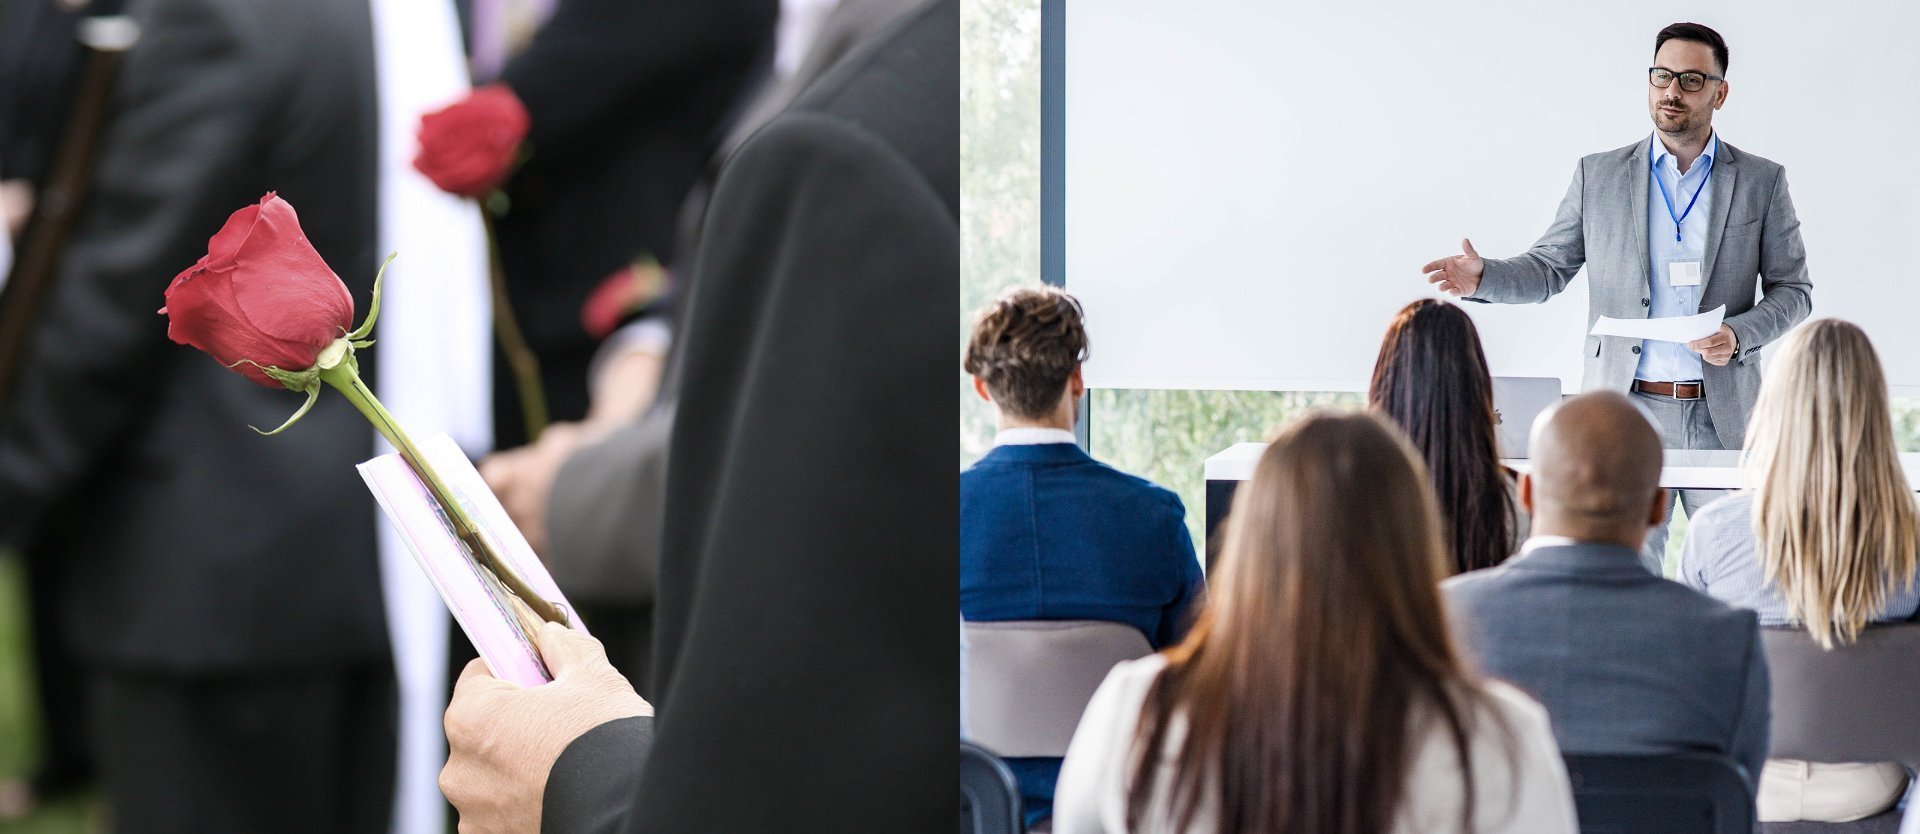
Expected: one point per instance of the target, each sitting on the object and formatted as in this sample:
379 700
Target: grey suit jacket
1752 235
1625 662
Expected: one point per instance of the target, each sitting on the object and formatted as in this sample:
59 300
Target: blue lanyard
1653 169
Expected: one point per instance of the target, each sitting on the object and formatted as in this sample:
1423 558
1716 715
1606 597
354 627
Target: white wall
1253 186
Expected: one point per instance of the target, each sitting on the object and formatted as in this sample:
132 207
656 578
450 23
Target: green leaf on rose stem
293 380
373 307
363 344
313 396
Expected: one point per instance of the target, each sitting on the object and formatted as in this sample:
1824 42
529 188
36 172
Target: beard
1686 122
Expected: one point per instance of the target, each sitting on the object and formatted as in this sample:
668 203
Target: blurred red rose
261 293
468 147
626 293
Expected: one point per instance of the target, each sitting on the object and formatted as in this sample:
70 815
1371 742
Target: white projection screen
1251 187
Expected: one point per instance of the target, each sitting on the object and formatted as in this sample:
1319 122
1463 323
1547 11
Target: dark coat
196 545
807 651
626 98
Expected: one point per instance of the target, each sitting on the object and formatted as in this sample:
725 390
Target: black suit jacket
805 656
626 99
196 545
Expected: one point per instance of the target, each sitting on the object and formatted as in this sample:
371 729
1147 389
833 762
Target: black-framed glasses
1690 81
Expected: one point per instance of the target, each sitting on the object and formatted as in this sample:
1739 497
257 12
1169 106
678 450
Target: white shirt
1032 436
1528 794
1674 361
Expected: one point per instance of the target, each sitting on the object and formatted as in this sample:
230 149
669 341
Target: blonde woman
1321 691
1825 537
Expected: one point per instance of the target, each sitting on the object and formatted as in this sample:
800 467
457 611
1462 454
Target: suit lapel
1721 180
1637 172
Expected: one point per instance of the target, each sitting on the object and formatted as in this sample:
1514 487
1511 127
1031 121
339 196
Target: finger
1444 286
450 783
476 681
1436 277
475 668
1467 247
498 469
567 651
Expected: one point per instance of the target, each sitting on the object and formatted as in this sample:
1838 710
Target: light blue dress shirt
1674 361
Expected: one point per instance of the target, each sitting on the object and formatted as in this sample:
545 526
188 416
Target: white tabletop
1683 469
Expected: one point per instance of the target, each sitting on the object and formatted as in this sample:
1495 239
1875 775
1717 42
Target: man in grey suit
1673 225
1625 662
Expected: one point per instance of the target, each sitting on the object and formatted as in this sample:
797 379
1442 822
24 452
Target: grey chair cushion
1855 703
1027 681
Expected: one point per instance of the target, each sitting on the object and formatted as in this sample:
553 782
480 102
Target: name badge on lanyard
1681 273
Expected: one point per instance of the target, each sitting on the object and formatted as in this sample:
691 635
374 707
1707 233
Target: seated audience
1626 662
1826 538
1431 379
1320 690
1046 532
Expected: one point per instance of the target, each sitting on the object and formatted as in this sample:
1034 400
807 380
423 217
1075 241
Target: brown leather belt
1670 390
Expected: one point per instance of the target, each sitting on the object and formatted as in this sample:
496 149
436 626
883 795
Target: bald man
1626 662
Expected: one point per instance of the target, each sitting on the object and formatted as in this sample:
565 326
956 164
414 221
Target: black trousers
296 752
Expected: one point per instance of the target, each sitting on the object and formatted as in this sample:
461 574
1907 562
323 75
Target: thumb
1467 247
568 652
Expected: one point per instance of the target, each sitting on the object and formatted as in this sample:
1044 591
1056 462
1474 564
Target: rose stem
343 378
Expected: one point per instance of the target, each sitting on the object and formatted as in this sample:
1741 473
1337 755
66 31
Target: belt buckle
1674 393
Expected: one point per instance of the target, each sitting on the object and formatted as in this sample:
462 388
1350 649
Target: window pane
999 174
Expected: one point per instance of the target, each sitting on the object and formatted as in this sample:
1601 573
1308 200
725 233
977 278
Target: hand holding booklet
1681 329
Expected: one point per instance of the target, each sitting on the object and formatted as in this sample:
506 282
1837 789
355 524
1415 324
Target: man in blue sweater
1046 532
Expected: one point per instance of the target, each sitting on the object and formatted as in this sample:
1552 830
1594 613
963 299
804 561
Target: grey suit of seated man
1624 661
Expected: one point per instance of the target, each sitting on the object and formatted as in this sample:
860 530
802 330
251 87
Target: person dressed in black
625 99
224 590
805 667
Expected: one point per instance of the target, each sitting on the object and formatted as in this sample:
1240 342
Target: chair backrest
1855 703
1686 793
1027 681
989 798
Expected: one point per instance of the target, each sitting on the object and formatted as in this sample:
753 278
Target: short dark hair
1024 347
1697 33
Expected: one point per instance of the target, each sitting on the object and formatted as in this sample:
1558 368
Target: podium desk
1682 469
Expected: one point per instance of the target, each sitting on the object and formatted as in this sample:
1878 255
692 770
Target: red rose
467 147
624 294
261 294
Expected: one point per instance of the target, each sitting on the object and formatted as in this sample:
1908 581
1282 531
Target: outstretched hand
1457 275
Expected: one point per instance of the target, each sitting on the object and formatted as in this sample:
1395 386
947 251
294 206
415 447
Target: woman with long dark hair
1320 691
1431 379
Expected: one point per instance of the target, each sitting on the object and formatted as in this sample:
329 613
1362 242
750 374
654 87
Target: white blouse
1522 791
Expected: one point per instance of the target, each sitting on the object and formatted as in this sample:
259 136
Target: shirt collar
1660 154
1033 436
1548 541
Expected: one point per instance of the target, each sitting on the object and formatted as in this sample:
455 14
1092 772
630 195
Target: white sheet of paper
1671 329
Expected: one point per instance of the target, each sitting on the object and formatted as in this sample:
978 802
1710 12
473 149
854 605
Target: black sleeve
188 110
595 56
588 788
807 681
